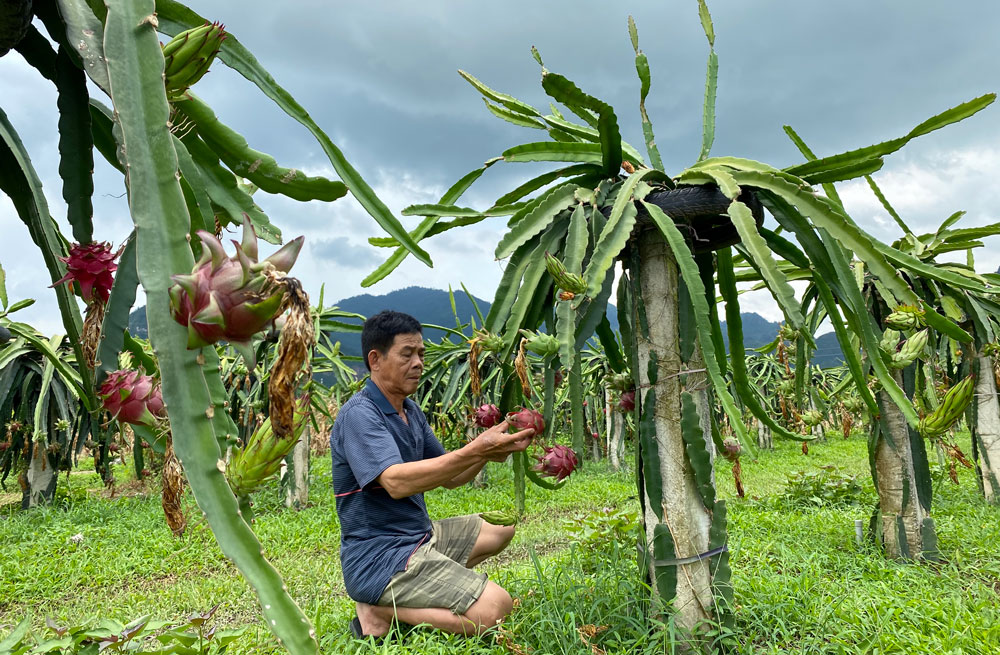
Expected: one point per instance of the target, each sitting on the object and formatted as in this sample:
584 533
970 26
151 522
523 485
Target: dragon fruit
557 462
132 397
731 449
230 298
486 416
92 266
527 418
626 403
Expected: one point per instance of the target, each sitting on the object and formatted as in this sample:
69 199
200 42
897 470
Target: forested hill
433 307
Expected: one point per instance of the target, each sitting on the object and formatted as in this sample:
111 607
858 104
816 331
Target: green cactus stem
135 65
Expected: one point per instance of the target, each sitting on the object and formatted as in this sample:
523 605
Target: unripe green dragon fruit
906 317
951 409
619 381
263 454
812 417
230 298
132 398
540 343
853 404
571 284
92 266
911 349
527 418
187 57
490 342
890 340
557 462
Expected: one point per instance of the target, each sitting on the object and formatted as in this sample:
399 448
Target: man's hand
495 444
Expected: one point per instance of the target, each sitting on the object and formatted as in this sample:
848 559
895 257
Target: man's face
398 371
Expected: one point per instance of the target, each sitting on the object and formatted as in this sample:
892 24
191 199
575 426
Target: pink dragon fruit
626 403
595 435
527 418
230 298
731 449
92 266
486 416
557 462
132 397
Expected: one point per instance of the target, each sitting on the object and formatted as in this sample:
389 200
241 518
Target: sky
381 79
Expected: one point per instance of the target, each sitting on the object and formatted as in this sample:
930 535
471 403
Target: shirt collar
380 400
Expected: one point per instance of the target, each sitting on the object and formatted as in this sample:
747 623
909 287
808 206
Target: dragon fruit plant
604 202
185 170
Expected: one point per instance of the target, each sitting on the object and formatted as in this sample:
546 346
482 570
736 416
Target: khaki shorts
435 575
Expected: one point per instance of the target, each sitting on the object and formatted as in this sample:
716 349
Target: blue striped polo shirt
378 533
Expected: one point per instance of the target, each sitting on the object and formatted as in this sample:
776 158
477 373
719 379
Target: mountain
433 307
429 306
137 323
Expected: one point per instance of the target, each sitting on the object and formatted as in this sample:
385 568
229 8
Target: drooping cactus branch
135 66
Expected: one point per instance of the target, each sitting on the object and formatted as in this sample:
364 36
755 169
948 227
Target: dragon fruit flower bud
527 418
188 56
541 343
230 298
92 266
132 398
486 416
557 462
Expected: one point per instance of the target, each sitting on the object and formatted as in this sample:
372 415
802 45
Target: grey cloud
380 78
343 252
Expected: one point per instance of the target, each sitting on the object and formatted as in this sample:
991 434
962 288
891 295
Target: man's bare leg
489 609
492 539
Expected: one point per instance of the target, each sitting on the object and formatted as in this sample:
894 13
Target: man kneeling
395 560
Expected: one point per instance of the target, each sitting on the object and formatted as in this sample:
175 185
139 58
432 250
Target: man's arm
409 478
464 476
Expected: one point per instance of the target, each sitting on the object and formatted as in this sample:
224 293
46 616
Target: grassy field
802 583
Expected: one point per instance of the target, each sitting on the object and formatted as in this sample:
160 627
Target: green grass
802 583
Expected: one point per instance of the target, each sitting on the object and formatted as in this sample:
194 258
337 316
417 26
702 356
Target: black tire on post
700 211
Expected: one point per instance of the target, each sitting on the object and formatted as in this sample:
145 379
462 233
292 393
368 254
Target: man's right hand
495 444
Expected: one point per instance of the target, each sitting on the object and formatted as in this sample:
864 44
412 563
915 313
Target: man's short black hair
381 329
